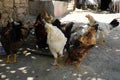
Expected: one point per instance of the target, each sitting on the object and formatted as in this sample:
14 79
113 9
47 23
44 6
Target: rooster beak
87 16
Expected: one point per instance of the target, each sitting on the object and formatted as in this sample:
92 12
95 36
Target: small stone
48 70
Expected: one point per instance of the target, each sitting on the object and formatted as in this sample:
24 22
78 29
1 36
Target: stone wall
16 9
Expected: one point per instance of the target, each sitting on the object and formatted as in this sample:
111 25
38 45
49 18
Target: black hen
11 39
40 32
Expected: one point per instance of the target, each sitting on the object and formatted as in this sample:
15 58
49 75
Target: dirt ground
101 63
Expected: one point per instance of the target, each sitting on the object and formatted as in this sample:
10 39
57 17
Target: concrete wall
60 7
36 7
55 8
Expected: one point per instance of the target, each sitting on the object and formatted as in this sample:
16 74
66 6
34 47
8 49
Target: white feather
55 39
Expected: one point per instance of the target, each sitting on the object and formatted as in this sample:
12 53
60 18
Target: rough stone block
1 5
8 3
21 10
17 1
21 17
23 1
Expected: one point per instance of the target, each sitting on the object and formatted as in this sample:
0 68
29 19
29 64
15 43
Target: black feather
114 23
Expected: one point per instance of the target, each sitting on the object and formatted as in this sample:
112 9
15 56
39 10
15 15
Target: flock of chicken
57 36
77 42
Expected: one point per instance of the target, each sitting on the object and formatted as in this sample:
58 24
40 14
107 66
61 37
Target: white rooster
56 41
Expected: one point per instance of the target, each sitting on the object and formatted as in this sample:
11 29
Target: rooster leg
103 38
15 58
61 53
56 62
77 65
8 59
56 59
